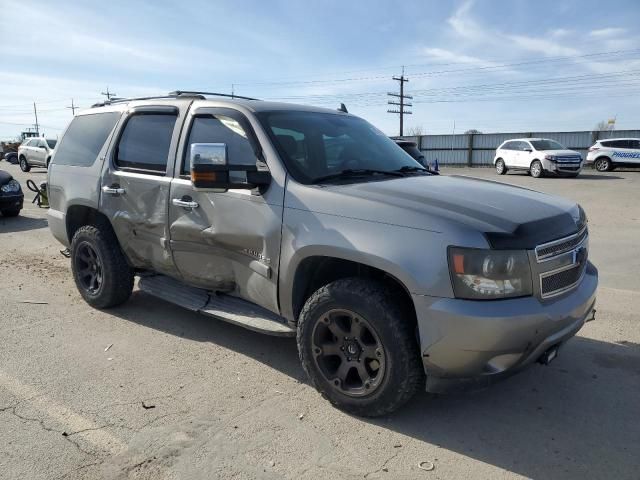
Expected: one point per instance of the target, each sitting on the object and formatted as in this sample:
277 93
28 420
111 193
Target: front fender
417 258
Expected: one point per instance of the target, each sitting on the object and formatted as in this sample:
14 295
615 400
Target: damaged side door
136 184
227 241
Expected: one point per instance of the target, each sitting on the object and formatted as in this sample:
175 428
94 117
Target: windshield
546 145
316 144
52 143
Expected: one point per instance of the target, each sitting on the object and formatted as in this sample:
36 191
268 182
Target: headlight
11 187
550 157
489 274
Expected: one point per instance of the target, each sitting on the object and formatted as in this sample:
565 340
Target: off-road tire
395 327
603 164
117 276
501 167
11 212
536 169
24 165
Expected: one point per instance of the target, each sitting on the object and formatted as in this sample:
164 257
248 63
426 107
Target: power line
401 103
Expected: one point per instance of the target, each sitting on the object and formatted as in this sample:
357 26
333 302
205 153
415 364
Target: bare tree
604 126
415 131
472 131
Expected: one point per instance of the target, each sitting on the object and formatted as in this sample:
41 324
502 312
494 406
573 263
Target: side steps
224 307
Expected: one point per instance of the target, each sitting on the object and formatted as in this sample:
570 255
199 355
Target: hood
565 152
5 177
510 217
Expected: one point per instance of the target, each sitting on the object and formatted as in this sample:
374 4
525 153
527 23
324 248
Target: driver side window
220 129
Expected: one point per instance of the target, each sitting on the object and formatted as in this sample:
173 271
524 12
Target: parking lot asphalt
151 391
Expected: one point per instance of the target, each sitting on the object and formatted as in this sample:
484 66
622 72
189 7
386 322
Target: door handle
113 190
178 202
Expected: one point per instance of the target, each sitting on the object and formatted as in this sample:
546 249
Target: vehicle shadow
576 418
21 224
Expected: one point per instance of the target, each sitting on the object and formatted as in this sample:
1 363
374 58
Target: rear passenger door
136 182
39 153
510 154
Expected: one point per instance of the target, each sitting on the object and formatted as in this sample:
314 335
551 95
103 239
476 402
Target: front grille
562 245
555 283
568 159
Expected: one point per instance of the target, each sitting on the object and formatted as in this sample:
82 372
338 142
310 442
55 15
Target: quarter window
145 142
84 139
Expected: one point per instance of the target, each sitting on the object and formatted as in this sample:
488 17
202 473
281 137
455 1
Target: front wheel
501 168
358 347
24 165
603 164
101 272
536 169
11 212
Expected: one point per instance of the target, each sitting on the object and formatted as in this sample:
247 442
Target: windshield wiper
410 169
357 172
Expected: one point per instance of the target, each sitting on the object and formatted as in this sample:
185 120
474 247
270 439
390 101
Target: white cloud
607 32
450 56
541 45
463 23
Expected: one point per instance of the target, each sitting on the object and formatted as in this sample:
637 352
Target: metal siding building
479 149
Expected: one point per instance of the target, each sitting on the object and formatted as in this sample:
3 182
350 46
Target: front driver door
226 241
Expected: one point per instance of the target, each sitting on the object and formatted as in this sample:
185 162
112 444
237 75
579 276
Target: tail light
593 149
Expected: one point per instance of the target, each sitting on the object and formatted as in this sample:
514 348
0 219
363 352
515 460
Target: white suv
605 155
538 156
35 152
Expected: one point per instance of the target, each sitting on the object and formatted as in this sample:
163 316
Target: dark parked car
11 157
412 149
11 196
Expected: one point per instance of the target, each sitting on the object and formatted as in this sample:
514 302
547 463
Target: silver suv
35 152
299 221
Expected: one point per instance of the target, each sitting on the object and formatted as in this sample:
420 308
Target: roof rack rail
174 94
185 93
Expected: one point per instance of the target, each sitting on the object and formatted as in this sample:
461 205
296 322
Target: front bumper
11 200
480 341
560 168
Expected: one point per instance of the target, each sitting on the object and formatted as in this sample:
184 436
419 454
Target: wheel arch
80 215
316 271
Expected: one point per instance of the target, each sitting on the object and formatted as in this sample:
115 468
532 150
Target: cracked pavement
227 401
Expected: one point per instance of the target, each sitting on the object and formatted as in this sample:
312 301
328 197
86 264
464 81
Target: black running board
224 307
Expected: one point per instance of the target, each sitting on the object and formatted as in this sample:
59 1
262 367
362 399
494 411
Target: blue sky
491 65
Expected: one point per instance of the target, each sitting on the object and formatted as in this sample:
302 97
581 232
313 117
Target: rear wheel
100 270
603 164
24 165
501 168
536 169
359 348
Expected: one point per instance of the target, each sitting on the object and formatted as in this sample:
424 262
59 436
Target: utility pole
35 112
108 94
73 108
402 104
233 87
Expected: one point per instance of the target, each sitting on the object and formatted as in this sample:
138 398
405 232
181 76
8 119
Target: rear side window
635 144
145 141
84 139
616 143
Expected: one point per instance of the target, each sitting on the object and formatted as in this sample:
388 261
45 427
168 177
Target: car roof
617 138
251 105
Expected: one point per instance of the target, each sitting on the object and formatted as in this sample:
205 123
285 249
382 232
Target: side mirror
210 170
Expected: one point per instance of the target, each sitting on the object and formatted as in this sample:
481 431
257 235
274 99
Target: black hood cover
5 177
